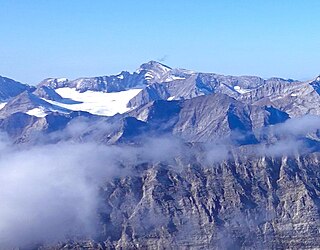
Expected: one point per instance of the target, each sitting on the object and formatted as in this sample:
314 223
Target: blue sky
74 38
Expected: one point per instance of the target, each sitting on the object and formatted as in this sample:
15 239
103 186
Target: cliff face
256 203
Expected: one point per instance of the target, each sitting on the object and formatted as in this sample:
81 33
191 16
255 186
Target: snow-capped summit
54 82
153 71
125 91
154 66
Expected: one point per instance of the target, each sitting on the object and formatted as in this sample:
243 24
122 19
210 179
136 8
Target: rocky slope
10 88
231 162
257 202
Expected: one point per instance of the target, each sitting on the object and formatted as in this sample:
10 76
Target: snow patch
38 112
2 105
164 68
59 80
62 79
171 98
240 90
98 103
148 76
187 71
237 88
172 78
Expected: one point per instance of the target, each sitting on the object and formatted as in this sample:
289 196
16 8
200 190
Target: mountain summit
138 94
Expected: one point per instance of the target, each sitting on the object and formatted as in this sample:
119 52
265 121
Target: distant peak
56 79
155 63
315 80
151 65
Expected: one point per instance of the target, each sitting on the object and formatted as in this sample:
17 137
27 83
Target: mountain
31 104
262 203
108 95
10 88
256 202
202 160
197 107
207 118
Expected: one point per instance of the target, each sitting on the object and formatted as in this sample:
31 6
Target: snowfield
240 90
2 105
97 103
38 112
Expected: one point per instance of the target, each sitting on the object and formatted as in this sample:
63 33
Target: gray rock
10 88
242 203
47 93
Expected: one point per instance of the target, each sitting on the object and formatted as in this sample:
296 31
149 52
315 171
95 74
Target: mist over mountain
160 158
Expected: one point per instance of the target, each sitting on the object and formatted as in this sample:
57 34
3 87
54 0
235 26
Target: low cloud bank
49 192
295 136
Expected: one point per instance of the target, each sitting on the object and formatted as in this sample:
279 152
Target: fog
49 191
295 136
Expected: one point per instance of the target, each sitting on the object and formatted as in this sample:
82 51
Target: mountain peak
10 88
54 82
154 65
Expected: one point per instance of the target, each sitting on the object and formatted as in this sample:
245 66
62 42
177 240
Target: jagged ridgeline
168 158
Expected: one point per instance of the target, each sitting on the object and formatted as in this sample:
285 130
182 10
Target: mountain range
196 106
242 169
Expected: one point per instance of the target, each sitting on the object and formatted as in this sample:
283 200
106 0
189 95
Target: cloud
164 148
50 191
287 147
216 152
295 136
299 126
162 59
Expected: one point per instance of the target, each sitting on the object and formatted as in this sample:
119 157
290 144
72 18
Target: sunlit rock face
262 202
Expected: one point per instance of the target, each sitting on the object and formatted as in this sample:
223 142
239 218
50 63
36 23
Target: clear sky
74 38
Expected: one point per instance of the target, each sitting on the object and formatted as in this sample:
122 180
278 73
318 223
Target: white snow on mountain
59 80
98 103
62 79
38 112
120 77
2 105
157 67
164 68
149 76
172 78
240 90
